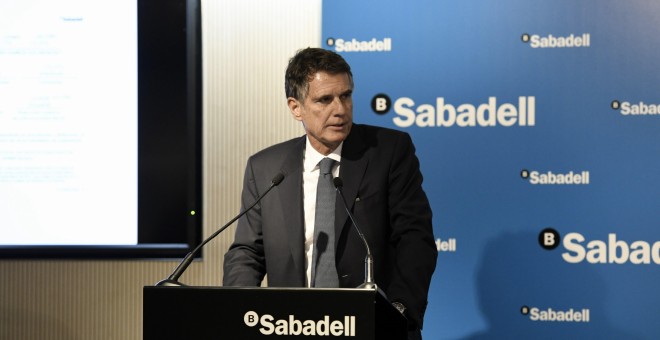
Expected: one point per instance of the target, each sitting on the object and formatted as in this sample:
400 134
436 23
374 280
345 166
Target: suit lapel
290 194
353 166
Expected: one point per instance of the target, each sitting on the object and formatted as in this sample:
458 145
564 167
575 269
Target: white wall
246 45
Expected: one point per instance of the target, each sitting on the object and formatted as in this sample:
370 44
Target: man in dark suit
382 185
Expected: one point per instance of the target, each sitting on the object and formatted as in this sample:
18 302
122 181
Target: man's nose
339 106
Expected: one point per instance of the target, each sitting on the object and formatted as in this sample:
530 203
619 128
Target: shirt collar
313 157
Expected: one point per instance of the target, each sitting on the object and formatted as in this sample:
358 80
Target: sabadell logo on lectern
293 326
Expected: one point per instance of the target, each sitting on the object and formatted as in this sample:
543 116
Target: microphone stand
172 280
369 282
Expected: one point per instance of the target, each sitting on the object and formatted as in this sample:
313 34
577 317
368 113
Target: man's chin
339 136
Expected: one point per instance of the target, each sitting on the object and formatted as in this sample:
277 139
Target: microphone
368 260
172 280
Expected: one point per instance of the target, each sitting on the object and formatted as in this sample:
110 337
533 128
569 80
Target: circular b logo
549 239
251 319
525 38
381 103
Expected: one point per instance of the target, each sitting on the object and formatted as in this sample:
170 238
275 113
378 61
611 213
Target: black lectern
222 313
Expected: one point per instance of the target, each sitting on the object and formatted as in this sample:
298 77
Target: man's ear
295 108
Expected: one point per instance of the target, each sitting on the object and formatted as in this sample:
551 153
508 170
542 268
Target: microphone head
278 178
338 182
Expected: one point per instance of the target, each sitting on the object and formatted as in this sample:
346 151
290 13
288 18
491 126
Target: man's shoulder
366 129
276 151
376 135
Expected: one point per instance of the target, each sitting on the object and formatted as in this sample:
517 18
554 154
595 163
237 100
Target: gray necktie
324 270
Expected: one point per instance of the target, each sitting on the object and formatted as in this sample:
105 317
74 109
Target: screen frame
169 141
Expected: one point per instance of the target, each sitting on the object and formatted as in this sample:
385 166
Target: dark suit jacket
383 187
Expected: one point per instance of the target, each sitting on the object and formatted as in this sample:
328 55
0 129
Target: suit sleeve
244 262
412 232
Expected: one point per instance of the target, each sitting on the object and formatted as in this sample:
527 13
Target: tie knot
326 165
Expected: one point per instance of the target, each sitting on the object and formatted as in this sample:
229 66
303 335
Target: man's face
327 110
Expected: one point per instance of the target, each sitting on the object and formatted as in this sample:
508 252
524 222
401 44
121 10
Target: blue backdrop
536 123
